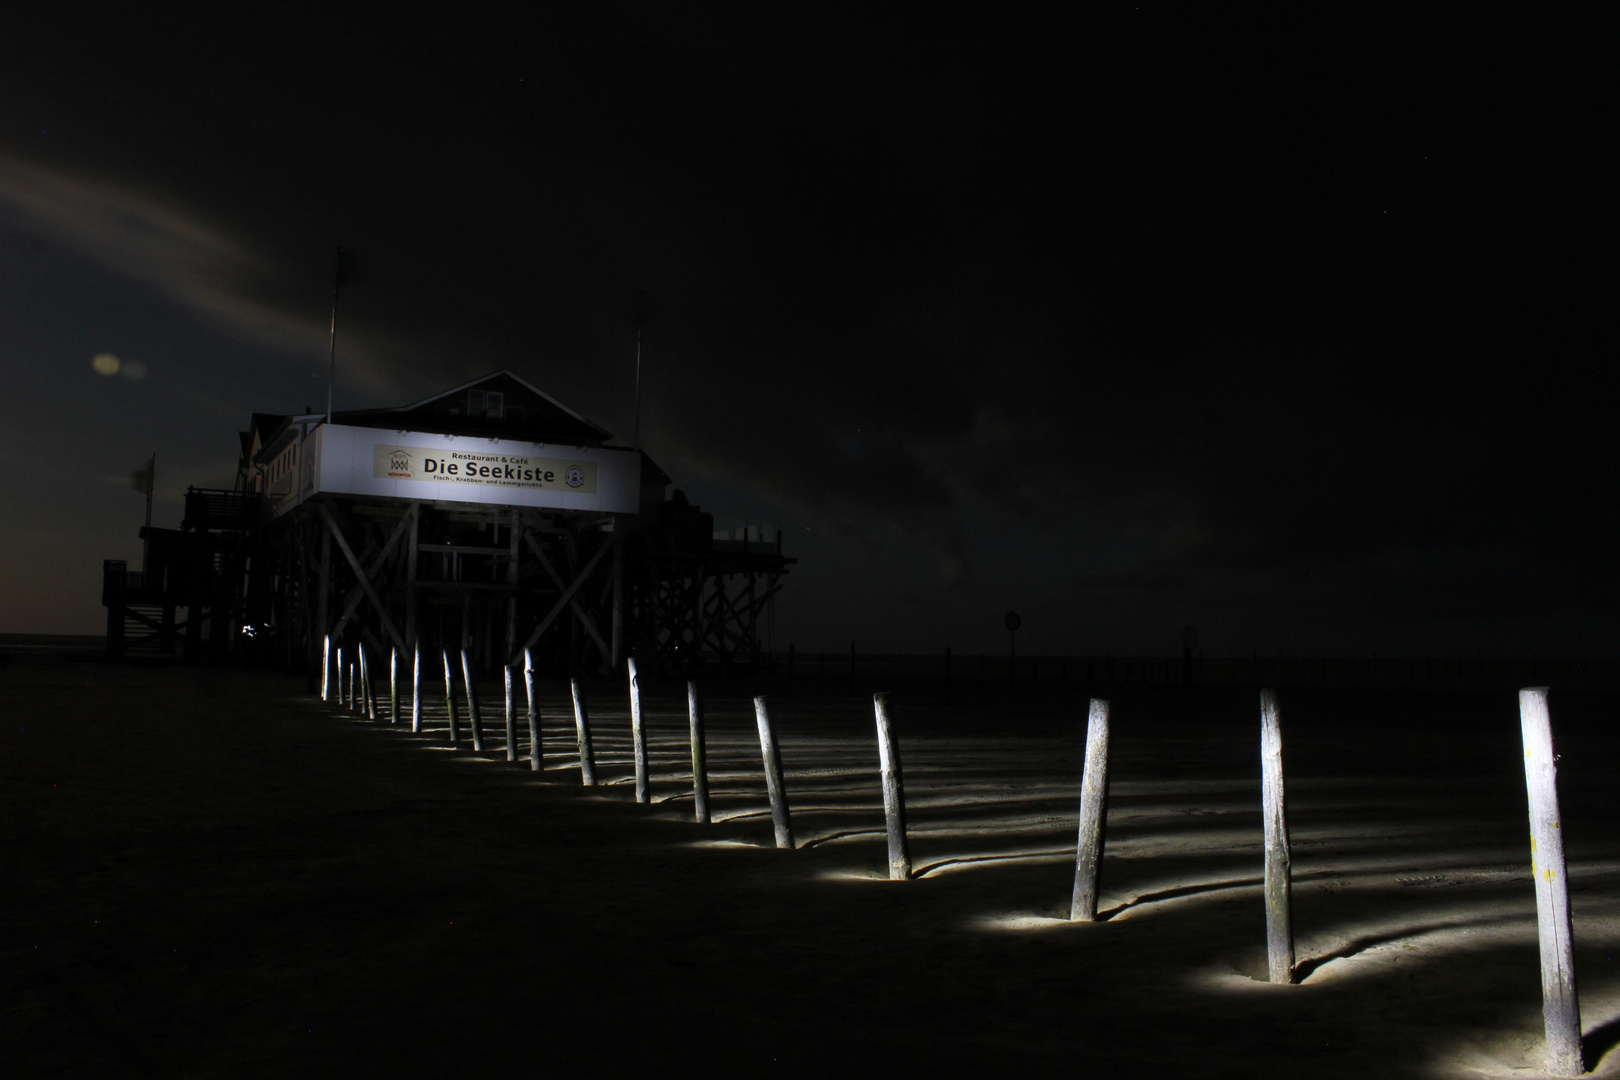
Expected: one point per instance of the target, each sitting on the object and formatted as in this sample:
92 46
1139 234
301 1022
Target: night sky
1296 331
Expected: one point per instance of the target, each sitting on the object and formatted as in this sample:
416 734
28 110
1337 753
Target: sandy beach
208 873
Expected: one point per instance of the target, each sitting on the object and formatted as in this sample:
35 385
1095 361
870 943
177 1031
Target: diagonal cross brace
584 616
353 600
568 594
365 582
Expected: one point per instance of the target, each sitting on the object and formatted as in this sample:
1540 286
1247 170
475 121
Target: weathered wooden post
582 729
359 686
773 776
450 697
638 736
1279 925
700 759
1560 1007
511 715
360 677
536 744
894 792
1093 815
342 701
393 685
368 690
416 688
326 669
475 719
354 688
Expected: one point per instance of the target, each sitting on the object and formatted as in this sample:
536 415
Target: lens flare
106 364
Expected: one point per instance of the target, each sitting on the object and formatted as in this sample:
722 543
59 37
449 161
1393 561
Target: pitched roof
500 404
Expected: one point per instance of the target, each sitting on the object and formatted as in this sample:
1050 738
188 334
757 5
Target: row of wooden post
1561 1011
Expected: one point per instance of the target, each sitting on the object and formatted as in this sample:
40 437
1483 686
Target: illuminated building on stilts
487 517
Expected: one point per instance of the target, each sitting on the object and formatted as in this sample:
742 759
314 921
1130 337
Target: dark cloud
1261 323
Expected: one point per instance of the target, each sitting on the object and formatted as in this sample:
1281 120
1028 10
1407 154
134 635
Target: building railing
215 510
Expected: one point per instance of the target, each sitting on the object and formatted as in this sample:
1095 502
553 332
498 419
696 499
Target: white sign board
459 468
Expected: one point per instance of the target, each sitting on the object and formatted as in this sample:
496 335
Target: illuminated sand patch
1408 889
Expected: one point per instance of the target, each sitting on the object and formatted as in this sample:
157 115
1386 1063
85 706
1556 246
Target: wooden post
326 669
1279 925
773 776
338 676
416 689
536 744
394 685
582 729
1560 1007
700 759
475 720
450 697
638 734
894 792
357 686
354 685
511 714
1093 815
368 706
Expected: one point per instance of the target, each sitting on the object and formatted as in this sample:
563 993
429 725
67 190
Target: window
487 403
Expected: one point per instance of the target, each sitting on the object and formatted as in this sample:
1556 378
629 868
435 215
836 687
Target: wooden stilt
536 742
362 671
368 686
511 714
638 735
582 729
1088 850
326 669
474 719
700 759
894 792
780 819
393 685
1560 1006
416 688
450 697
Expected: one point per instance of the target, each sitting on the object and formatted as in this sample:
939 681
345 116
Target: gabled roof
527 412
262 428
